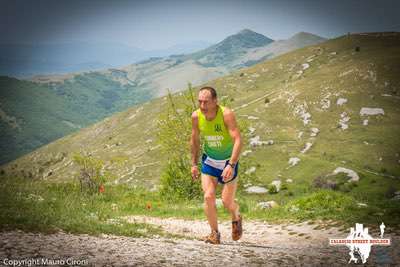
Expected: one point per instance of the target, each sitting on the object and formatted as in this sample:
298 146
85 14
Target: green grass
47 207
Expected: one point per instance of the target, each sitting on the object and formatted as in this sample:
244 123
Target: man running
222 143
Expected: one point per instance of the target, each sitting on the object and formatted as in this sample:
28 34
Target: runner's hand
227 173
195 173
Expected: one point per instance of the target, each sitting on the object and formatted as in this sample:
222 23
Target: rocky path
262 245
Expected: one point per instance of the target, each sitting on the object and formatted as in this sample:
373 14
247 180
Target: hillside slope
38 111
315 97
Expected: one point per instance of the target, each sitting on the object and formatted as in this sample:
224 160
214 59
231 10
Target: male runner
222 143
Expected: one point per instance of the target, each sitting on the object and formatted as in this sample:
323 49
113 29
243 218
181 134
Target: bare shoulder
228 113
195 120
194 115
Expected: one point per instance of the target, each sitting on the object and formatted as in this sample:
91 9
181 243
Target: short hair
211 90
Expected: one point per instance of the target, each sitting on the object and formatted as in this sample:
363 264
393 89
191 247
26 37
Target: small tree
174 134
90 176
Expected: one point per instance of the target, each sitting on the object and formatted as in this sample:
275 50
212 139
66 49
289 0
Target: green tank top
218 144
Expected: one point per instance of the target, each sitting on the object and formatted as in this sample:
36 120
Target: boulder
256 190
267 205
294 161
371 111
277 184
350 173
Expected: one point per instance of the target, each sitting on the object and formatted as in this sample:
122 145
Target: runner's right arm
195 139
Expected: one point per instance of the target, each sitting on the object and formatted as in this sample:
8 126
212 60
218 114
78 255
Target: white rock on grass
252 118
256 190
255 141
396 195
350 173
341 101
306 118
314 132
371 111
365 122
34 197
252 130
245 153
325 103
294 161
267 205
346 73
305 66
344 119
310 58
300 135
250 170
277 184
306 148
302 112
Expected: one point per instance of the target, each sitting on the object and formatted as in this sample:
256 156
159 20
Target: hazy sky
153 24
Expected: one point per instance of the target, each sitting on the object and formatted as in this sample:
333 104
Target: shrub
90 176
174 135
272 189
339 182
176 181
284 186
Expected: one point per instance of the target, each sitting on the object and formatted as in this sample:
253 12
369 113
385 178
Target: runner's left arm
230 122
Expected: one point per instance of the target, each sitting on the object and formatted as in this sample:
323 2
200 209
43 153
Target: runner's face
206 103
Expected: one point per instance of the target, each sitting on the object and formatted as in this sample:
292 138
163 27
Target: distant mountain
271 50
46 107
19 60
226 51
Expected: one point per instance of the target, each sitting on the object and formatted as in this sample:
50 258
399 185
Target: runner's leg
228 198
209 184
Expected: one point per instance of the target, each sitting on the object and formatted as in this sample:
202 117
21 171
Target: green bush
272 189
90 176
174 135
176 181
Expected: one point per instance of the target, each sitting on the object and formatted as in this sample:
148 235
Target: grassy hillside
323 86
34 114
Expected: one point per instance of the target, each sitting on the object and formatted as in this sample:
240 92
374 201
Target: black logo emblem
218 128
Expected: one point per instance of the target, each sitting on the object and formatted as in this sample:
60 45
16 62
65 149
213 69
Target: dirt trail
262 244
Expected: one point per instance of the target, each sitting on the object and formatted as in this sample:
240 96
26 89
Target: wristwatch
232 165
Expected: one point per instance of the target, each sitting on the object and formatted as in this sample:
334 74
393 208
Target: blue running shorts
215 167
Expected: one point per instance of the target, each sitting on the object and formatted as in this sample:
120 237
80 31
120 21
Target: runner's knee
228 203
209 197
